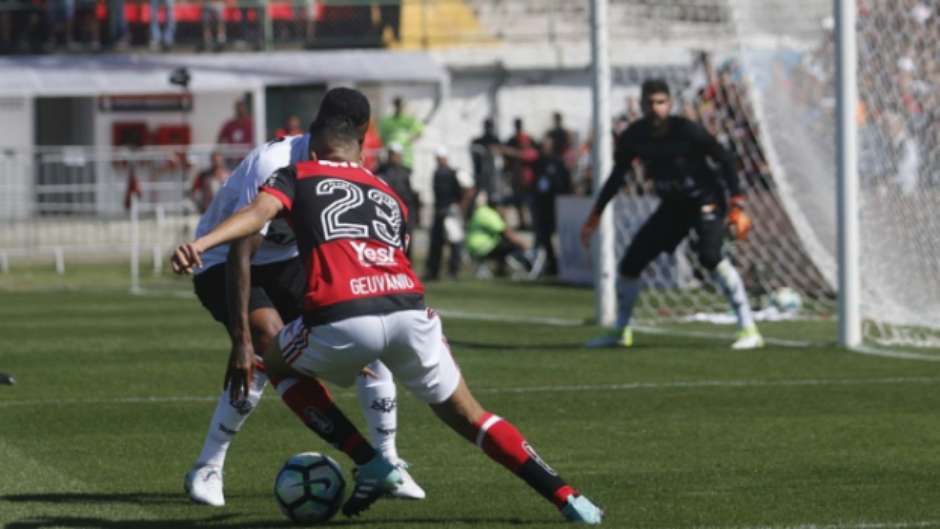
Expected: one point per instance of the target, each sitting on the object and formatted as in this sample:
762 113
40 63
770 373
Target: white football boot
204 485
579 509
408 489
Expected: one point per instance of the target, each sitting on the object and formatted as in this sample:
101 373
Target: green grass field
115 392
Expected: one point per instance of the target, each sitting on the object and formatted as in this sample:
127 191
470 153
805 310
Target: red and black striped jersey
350 229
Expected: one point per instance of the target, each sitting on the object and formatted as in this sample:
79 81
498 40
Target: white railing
67 202
75 201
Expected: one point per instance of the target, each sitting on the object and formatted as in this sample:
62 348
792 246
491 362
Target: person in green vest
401 128
489 238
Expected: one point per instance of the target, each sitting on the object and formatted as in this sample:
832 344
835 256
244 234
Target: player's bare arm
240 370
246 222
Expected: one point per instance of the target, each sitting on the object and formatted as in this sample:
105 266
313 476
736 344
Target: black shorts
668 226
280 286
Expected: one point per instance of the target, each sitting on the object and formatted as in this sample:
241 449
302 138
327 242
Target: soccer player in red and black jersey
363 303
676 154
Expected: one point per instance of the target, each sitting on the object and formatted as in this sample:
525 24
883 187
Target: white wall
210 111
16 115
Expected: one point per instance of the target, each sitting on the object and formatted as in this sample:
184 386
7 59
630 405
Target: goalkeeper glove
739 223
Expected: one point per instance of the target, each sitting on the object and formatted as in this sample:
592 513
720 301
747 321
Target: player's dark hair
654 86
343 117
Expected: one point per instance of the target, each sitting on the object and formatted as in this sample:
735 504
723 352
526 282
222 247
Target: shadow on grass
227 521
137 498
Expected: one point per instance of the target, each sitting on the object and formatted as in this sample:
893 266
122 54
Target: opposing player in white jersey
252 289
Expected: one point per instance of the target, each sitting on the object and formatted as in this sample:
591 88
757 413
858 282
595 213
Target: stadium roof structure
79 75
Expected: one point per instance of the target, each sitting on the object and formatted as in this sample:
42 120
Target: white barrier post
59 254
157 254
135 245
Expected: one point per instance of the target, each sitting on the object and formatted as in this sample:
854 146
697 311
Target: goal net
761 78
788 48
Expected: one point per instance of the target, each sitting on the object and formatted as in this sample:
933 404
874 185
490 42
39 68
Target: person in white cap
453 191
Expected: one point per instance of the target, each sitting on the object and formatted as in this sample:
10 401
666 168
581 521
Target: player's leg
204 482
710 228
338 349
661 232
378 398
504 443
310 401
285 283
420 358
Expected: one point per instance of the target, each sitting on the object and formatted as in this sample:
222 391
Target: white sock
227 420
628 290
733 287
377 397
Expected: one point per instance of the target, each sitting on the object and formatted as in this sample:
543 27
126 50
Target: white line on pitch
648 329
844 525
671 331
643 329
629 386
904 355
720 336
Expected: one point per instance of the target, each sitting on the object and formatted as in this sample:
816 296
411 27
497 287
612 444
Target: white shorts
410 342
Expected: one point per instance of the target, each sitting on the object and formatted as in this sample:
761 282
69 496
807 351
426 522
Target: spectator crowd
55 26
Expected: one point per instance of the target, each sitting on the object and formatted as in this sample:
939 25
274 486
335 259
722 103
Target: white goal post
850 321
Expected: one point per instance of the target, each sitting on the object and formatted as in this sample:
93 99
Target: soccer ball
309 488
786 300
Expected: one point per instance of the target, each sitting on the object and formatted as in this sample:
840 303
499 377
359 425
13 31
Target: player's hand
186 257
368 373
739 222
240 372
588 228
